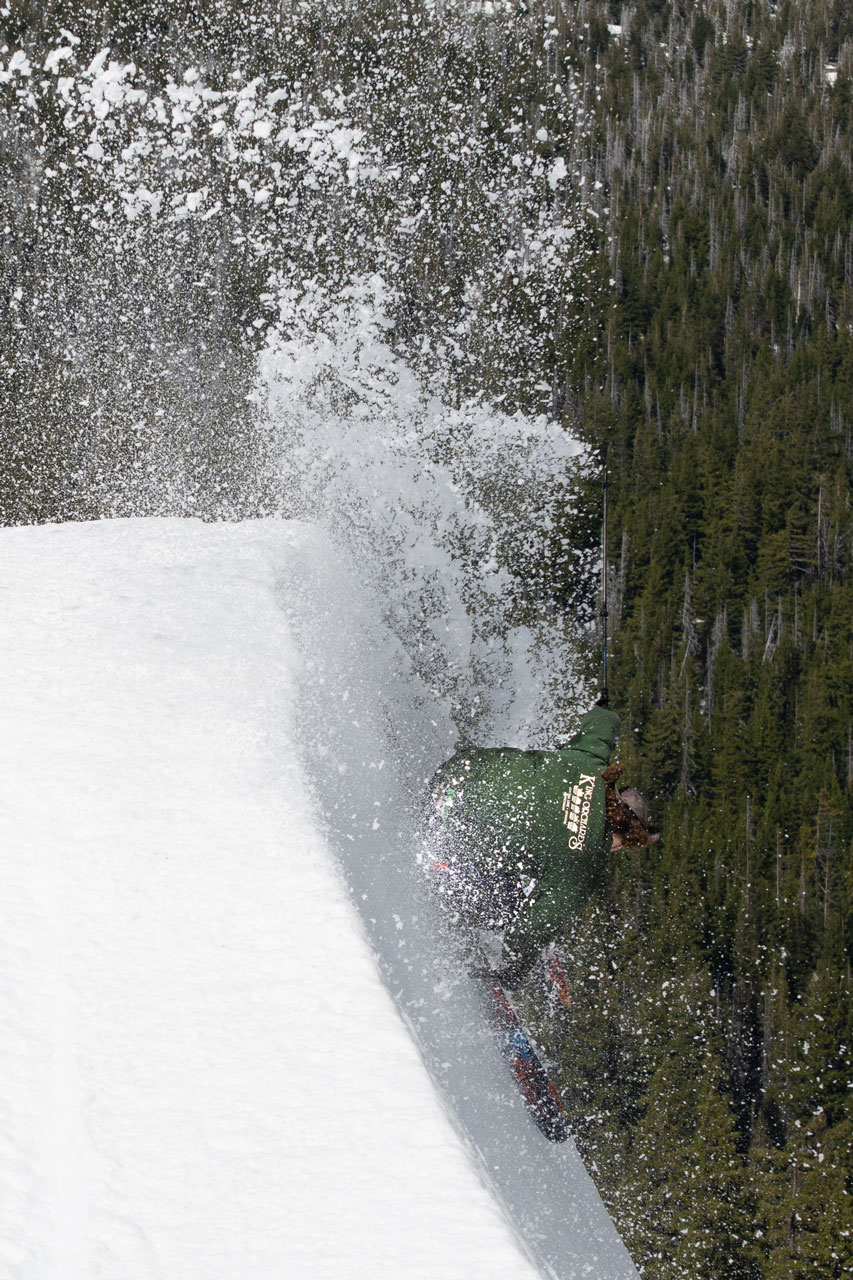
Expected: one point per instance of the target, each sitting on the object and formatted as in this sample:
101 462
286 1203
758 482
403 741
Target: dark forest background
706 353
715 1056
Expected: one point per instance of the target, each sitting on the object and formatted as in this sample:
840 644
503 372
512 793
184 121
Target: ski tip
558 1133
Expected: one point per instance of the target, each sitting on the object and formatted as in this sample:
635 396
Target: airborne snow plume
182 217
447 513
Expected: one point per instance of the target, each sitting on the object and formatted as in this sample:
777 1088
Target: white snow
201 1073
557 173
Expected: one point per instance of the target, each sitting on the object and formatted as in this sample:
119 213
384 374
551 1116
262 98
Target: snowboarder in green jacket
519 840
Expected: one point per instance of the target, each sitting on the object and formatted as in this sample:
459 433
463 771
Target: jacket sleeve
597 735
542 922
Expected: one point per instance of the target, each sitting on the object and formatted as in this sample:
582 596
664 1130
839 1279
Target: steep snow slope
200 1072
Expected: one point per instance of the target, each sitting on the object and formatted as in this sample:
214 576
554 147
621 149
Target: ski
521 1056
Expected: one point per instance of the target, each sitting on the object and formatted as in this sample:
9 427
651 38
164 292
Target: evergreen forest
636 219
717 1092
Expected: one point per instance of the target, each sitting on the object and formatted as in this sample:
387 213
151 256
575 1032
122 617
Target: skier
519 840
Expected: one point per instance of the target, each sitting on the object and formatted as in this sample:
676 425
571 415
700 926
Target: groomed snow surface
202 1074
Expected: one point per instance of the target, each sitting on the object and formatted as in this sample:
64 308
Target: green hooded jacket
538 815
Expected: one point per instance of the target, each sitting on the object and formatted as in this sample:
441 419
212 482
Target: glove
603 699
513 972
508 977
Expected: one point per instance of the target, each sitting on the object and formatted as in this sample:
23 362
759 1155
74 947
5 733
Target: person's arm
597 734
